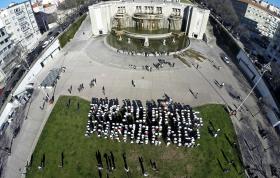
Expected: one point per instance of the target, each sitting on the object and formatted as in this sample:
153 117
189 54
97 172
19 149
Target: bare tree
243 31
275 74
69 4
223 8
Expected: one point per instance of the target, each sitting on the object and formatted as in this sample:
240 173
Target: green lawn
70 33
186 1
65 130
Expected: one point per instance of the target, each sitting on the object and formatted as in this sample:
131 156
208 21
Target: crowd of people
158 65
158 122
162 62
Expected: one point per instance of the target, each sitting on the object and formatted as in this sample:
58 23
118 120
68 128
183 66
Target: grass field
65 130
70 33
186 1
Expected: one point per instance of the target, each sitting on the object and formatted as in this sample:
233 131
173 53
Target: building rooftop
257 5
15 4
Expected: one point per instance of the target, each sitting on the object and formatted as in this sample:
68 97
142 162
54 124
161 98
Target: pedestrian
78 106
103 90
44 104
69 102
47 98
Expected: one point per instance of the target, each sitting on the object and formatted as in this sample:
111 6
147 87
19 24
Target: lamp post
264 69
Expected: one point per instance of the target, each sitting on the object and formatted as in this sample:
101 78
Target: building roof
15 4
257 5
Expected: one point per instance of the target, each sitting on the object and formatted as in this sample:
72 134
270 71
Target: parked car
45 44
51 38
225 58
50 33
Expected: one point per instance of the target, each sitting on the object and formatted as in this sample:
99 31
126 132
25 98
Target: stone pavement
86 57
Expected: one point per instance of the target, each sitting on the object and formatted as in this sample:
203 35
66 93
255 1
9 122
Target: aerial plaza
137 92
133 135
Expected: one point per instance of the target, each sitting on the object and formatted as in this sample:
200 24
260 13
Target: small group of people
70 89
132 66
81 87
147 68
129 52
162 62
47 99
92 83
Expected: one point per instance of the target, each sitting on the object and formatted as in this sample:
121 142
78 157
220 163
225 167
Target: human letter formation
168 122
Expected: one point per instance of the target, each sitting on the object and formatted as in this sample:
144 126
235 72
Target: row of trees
69 4
223 8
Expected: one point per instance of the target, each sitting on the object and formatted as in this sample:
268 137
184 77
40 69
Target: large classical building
257 18
20 23
148 16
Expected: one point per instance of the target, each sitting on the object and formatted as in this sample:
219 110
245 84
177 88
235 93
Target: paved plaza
87 57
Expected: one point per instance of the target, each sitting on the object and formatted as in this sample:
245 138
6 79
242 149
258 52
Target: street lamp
265 68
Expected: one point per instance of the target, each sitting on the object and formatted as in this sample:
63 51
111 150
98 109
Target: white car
225 59
51 38
45 44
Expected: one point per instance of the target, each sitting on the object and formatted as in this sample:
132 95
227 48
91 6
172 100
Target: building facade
20 23
273 55
273 50
149 16
258 19
5 44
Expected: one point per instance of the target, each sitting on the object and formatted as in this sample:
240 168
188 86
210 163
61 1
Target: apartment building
20 23
5 44
273 50
273 55
269 6
259 19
